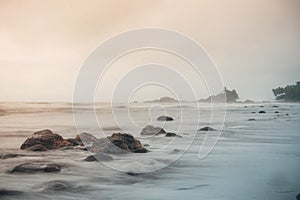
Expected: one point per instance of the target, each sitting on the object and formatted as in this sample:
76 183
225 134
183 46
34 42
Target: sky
43 44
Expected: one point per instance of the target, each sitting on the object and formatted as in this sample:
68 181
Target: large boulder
36 167
152 130
47 139
164 118
118 143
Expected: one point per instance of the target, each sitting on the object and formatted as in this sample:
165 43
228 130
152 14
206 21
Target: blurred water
252 160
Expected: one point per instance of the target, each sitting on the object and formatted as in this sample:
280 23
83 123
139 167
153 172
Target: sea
249 155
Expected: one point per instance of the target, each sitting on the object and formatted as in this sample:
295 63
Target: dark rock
286 114
151 130
298 197
58 185
276 112
9 155
5 192
82 139
46 138
245 106
261 106
99 157
262 111
37 147
169 134
275 106
251 119
164 118
118 143
207 128
36 167
146 145
253 112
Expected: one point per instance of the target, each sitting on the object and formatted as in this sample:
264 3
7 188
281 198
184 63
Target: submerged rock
207 128
46 138
274 106
262 111
118 143
82 139
99 157
169 134
5 192
251 119
36 167
152 130
164 118
58 186
37 147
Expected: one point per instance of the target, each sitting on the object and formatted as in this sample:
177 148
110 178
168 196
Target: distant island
288 93
162 100
227 95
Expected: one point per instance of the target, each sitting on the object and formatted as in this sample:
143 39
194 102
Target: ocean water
257 159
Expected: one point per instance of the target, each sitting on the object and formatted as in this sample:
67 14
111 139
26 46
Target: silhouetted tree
289 93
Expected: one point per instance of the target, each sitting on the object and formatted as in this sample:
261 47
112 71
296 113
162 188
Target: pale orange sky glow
255 44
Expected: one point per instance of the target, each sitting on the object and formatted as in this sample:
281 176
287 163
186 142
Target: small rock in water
251 119
164 118
253 112
276 112
262 111
275 106
82 139
286 114
261 106
169 134
5 192
151 130
99 157
207 128
36 167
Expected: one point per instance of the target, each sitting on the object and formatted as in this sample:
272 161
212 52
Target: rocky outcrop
207 128
36 167
152 130
164 118
47 139
118 143
99 157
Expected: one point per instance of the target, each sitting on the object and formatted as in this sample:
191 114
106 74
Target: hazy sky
256 44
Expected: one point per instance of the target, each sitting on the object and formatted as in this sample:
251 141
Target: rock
118 143
151 130
37 147
275 106
99 157
207 128
82 139
251 119
36 167
169 134
286 114
9 155
253 112
46 138
262 111
5 192
298 197
261 106
164 118
58 186
276 112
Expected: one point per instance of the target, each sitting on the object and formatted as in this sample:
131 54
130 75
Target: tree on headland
289 93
